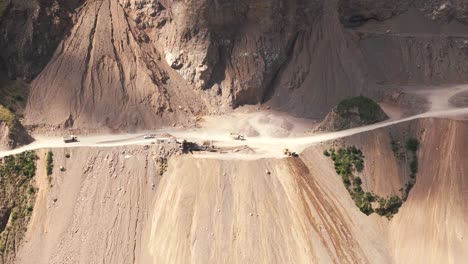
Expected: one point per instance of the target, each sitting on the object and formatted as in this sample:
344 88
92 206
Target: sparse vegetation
16 200
7 116
21 164
368 110
162 165
50 162
412 145
347 162
389 207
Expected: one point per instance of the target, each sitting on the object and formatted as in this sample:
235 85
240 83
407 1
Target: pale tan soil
432 226
95 210
232 211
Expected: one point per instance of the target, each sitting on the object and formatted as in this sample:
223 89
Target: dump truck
70 139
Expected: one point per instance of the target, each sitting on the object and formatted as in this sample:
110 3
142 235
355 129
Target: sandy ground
110 206
94 211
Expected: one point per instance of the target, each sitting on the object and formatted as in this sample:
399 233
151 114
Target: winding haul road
262 146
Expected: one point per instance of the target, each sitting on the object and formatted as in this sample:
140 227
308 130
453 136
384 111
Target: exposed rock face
29 33
12 132
130 64
231 49
106 75
12 137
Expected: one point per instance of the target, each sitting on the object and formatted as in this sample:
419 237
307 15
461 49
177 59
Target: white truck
149 136
236 136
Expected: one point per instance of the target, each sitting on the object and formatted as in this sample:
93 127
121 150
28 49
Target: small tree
412 144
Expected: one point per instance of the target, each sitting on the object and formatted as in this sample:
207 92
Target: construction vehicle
149 136
70 139
236 136
288 153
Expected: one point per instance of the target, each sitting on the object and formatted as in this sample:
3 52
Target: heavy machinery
236 136
70 139
149 136
288 153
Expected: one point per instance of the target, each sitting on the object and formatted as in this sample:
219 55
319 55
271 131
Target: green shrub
412 144
345 159
14 216
359 165
369 111
326 153
414 167
67 156
357 181
21 164
7 116
50 160
18 97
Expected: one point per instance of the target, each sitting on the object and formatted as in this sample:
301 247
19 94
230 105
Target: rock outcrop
135 62
353 112
30 31
12 132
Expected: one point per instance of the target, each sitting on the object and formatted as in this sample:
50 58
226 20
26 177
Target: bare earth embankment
111 205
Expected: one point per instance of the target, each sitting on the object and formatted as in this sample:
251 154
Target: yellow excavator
288 153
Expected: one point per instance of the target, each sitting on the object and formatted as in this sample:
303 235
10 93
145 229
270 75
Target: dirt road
269 134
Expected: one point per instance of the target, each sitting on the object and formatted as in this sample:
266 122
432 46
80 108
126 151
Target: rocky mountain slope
124 65
138 64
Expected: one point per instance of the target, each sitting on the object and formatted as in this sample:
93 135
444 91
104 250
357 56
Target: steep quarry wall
111 205
94 210
432 225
